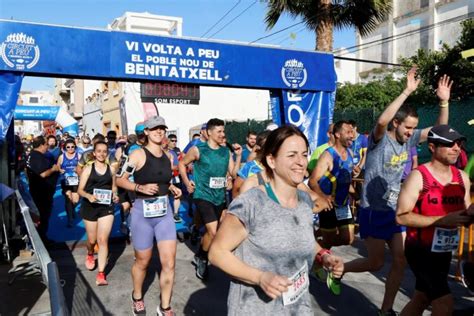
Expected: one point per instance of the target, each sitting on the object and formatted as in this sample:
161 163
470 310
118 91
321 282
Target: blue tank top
69 165
337 181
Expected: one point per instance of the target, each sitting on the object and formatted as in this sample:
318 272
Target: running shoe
138 306
318 273
467 275
390 312
177 218
90 262
100 279
201 268
162 312
195 260
334 284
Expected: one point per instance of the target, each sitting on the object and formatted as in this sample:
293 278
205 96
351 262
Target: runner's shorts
92 212
430 269
145 230
209 212
378 224
65 188
328 220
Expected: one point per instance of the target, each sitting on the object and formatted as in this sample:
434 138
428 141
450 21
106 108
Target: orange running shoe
90 262
100 279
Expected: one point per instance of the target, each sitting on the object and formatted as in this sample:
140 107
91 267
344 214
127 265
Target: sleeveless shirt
337 181
155 170
436 200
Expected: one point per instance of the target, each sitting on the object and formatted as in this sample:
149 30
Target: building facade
414 24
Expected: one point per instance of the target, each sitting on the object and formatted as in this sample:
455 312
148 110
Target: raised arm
389 113
444 93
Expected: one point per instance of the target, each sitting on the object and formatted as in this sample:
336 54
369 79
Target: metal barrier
42 257
42 261
56 295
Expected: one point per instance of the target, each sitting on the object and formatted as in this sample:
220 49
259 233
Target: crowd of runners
267 213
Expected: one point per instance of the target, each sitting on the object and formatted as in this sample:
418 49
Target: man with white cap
433 202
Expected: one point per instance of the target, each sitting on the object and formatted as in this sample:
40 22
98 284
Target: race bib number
300 285
155 207
343 212
217 182
72 179
391 196
445 240
103 196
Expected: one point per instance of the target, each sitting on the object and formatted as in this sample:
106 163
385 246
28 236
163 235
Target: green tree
433 64
323 16
373 95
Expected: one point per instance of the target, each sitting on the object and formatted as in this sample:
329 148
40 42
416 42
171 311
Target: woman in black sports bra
99 192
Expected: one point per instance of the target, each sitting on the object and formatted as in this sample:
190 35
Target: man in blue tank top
333 176
212 164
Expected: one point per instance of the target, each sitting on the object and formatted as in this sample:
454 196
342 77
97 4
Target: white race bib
103 196
392 196
72 179
343 212
300 285
155 207
445 240
217 182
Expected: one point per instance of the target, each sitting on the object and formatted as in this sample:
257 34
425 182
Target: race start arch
301 83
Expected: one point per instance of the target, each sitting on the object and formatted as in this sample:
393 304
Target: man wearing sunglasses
433 202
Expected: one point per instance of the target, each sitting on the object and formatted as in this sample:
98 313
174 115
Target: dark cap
444 134
204 127
155 121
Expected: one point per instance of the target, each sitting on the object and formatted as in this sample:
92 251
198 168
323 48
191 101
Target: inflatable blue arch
302 83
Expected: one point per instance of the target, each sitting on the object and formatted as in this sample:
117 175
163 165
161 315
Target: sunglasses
173 140
450 145
70 147
86 143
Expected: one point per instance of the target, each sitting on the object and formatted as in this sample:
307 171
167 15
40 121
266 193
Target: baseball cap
155 121
139 128
204 127
444 134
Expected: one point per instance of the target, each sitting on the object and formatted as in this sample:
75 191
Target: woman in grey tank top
270 229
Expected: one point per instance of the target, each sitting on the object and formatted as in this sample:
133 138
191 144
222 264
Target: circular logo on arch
19 51
294 74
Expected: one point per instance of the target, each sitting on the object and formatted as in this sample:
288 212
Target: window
34 100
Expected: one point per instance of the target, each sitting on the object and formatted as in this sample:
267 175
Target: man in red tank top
433 202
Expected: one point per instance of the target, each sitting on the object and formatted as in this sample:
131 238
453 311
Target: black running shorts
208 211
430 269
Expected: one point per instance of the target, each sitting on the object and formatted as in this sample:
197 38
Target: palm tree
323 16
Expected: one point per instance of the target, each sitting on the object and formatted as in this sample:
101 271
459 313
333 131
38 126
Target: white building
413 24
223 103
345 69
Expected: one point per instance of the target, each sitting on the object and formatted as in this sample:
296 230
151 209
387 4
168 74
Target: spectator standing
42 176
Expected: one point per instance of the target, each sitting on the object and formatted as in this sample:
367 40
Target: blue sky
198 16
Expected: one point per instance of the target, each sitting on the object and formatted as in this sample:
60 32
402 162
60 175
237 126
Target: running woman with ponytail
152 215
99 191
